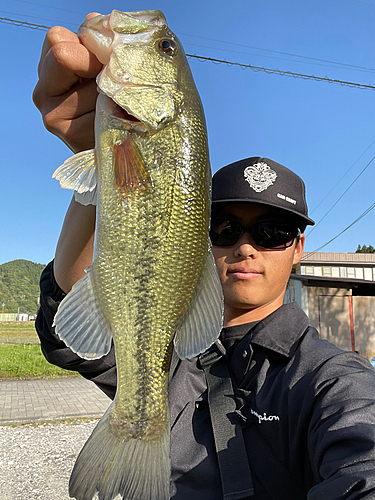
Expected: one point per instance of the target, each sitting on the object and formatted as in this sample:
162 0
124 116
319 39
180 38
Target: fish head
145 67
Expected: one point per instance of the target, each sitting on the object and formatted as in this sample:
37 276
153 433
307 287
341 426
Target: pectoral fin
130 170
79 173
203 321
80 323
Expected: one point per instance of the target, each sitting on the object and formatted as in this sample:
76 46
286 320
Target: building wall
328 311
313 294
8 316
334 323
364 325
17 317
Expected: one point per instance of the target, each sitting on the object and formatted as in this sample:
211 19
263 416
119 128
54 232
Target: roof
338 258
358 287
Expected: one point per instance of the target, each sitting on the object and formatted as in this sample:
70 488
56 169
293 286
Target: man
269 412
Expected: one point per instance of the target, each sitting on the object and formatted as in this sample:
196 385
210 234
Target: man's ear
298 251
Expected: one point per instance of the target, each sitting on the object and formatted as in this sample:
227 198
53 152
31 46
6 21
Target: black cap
260 180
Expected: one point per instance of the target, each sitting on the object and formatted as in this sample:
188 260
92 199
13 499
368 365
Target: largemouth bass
153 284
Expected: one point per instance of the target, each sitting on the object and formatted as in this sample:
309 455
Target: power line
284 73
360 1
352 66
371 207
333 65
344 193
25 24
51 7
280 52
228 63
338 182
224 41
256 69
38 17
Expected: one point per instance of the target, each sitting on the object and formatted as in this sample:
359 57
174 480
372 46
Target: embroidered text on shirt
264 417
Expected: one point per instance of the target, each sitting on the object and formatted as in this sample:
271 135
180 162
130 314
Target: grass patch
28 362
21 356
18 332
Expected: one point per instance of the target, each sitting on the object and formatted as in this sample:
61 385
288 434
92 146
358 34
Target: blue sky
323 131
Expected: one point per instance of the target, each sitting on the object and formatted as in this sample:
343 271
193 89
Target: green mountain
19 286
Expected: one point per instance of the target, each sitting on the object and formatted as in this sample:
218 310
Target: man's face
254 279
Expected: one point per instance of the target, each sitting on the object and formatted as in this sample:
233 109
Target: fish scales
147 260
153 283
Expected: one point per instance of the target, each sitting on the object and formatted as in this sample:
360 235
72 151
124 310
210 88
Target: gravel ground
36 460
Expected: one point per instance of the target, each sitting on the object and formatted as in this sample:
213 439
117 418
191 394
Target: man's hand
66 91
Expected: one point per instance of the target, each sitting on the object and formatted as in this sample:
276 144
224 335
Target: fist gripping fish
153 284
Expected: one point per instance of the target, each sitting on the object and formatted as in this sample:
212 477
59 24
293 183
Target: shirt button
245 353
199 405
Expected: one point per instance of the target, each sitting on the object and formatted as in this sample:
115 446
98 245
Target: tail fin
137 469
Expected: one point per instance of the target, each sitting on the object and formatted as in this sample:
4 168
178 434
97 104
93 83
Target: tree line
365 249
19 286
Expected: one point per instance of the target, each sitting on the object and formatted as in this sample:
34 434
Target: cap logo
260 176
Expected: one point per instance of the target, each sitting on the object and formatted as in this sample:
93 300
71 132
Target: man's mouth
243 274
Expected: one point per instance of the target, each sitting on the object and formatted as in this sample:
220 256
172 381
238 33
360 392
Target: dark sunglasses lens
225 233
271 235
274 235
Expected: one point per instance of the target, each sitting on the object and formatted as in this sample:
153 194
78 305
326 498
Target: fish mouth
114 111
122 114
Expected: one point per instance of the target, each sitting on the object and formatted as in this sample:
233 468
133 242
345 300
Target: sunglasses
271 235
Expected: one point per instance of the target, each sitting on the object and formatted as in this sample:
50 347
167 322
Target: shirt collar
281 330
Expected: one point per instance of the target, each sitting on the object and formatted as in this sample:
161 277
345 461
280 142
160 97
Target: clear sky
323 131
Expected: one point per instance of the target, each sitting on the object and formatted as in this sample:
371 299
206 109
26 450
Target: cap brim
306 220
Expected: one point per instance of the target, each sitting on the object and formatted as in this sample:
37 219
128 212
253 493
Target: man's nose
245 246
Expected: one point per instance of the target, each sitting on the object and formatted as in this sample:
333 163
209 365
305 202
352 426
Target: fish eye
168 46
